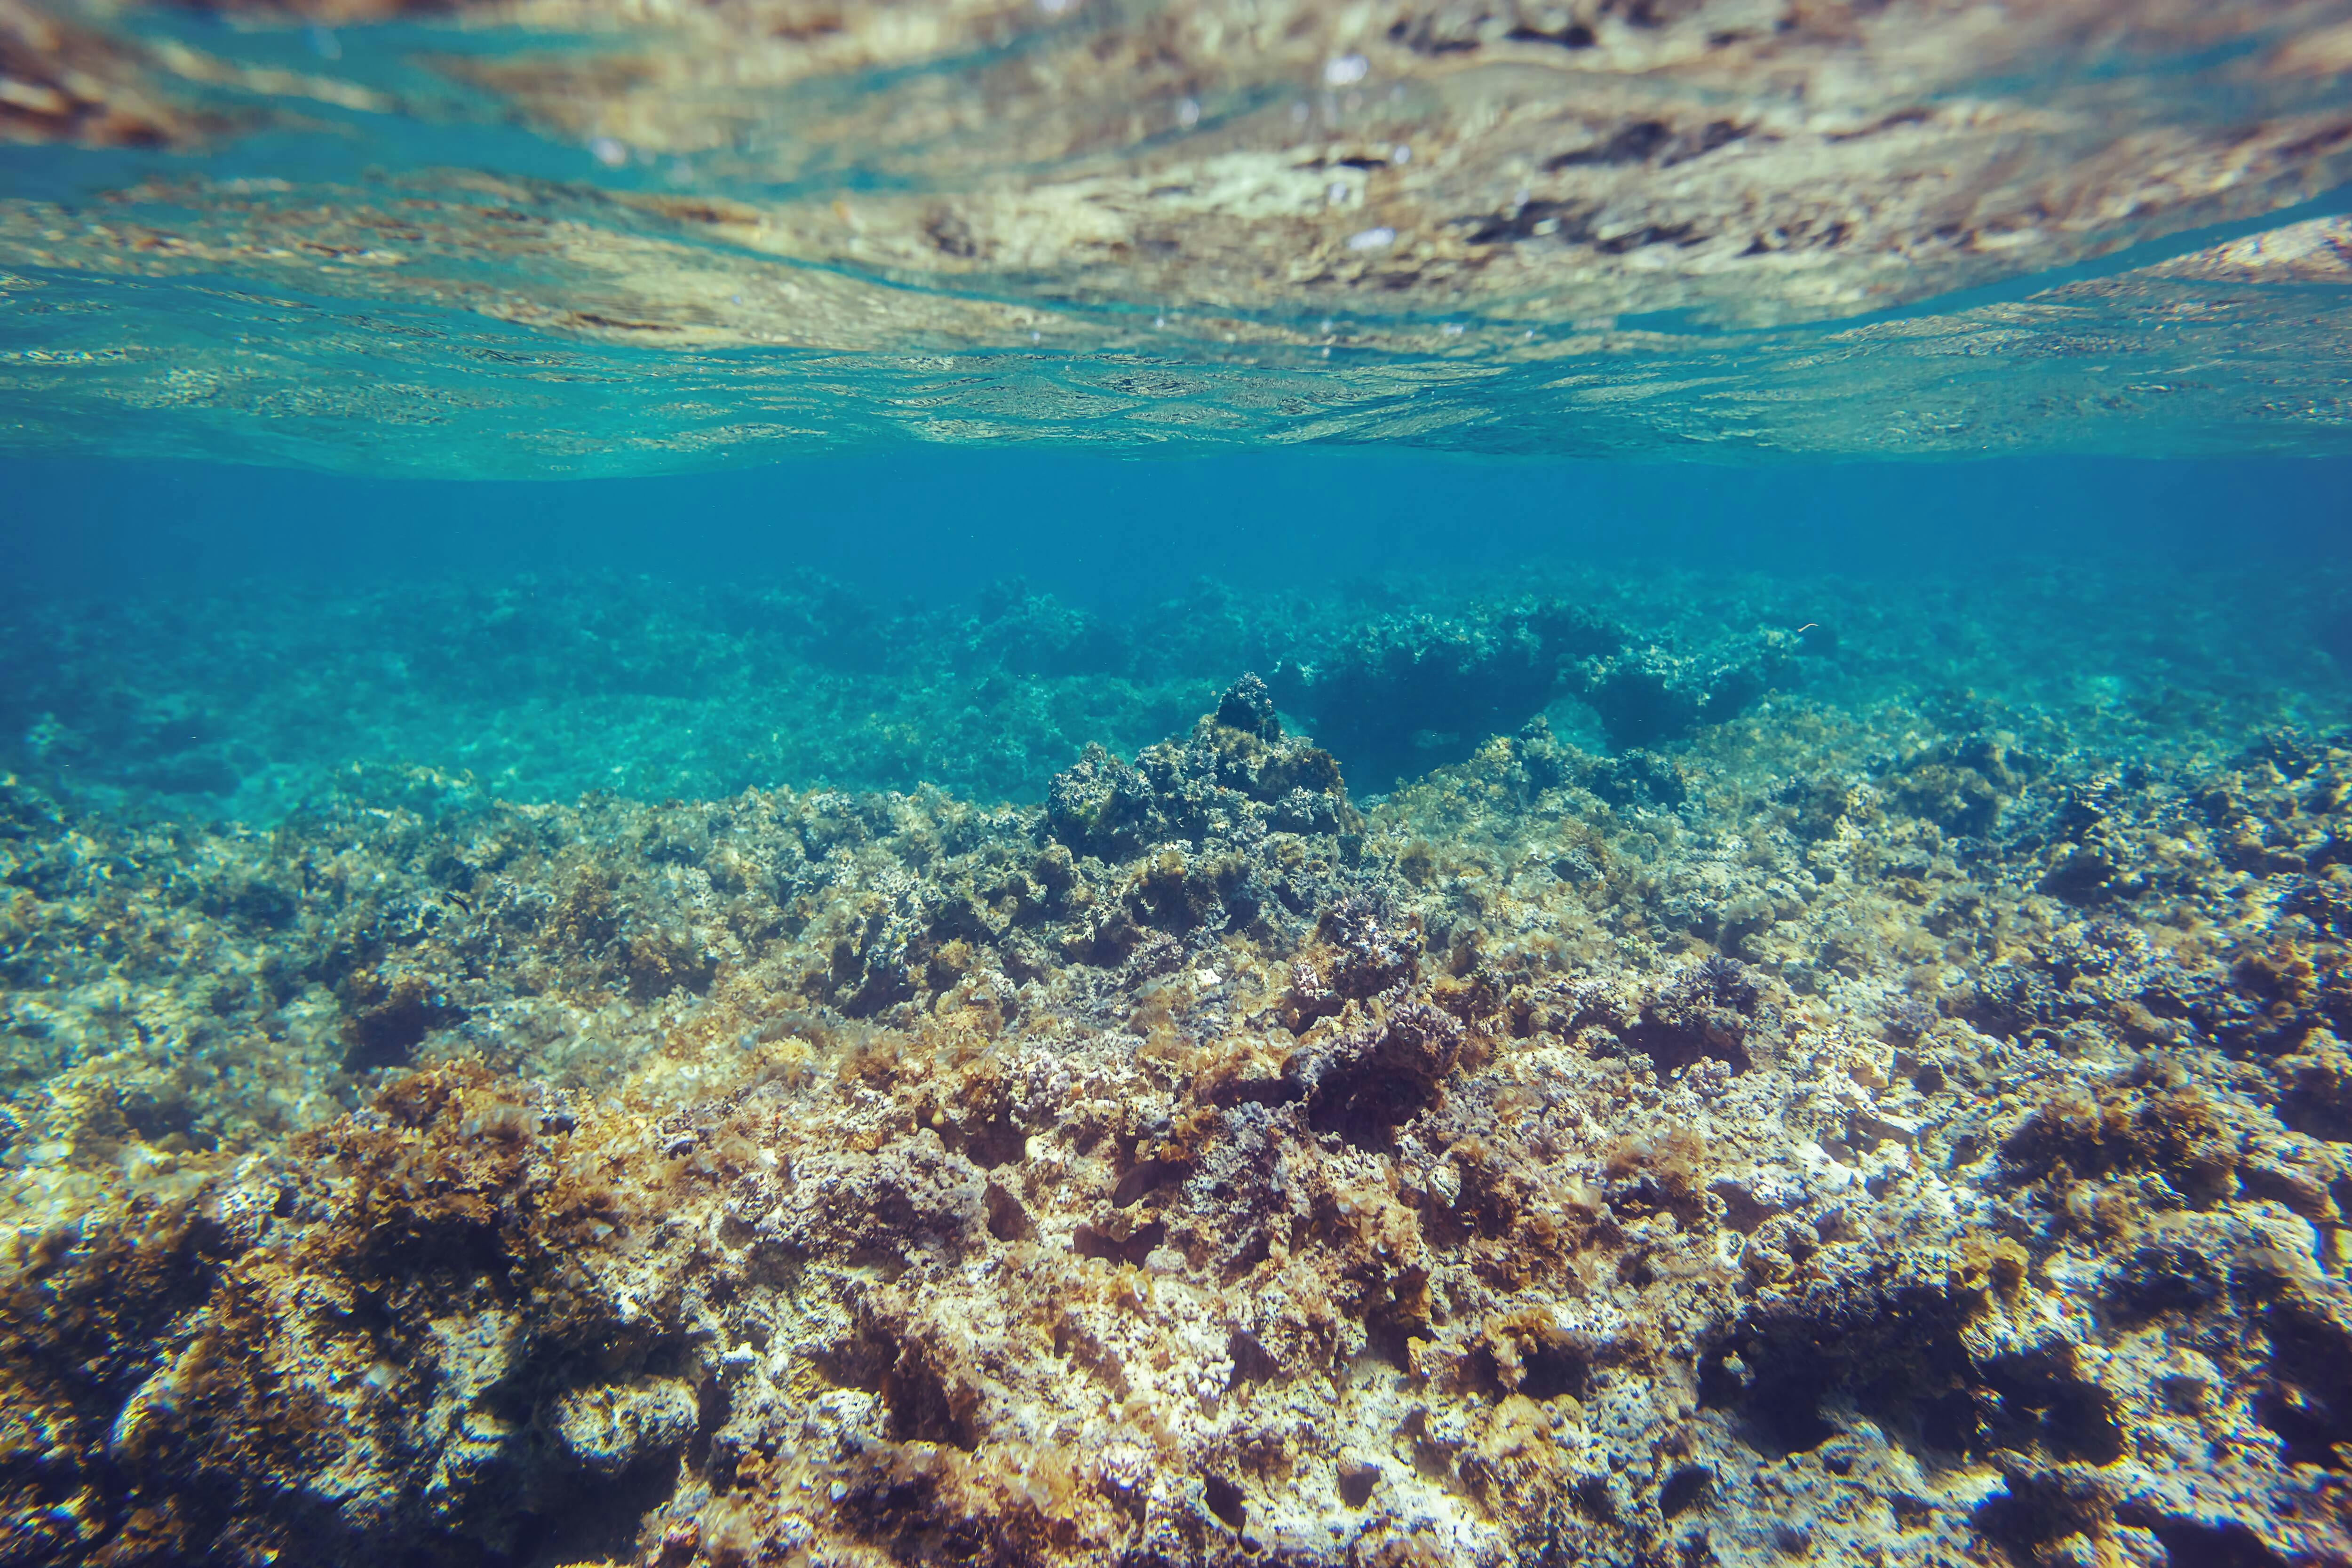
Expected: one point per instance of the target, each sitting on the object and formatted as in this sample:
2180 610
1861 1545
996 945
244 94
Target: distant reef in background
541 688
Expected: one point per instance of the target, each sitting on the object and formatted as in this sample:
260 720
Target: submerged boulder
1236 777
1652 693
1406 693
1399 696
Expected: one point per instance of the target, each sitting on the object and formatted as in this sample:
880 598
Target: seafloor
1688 1070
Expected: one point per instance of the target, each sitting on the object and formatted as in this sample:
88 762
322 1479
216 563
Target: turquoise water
1091 784
229 636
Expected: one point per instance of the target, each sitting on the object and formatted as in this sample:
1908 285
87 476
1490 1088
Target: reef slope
1724 1154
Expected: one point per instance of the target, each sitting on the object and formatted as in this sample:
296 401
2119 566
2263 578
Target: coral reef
1784 1142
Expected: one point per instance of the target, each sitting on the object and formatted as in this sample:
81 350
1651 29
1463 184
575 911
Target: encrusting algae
1198 1168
